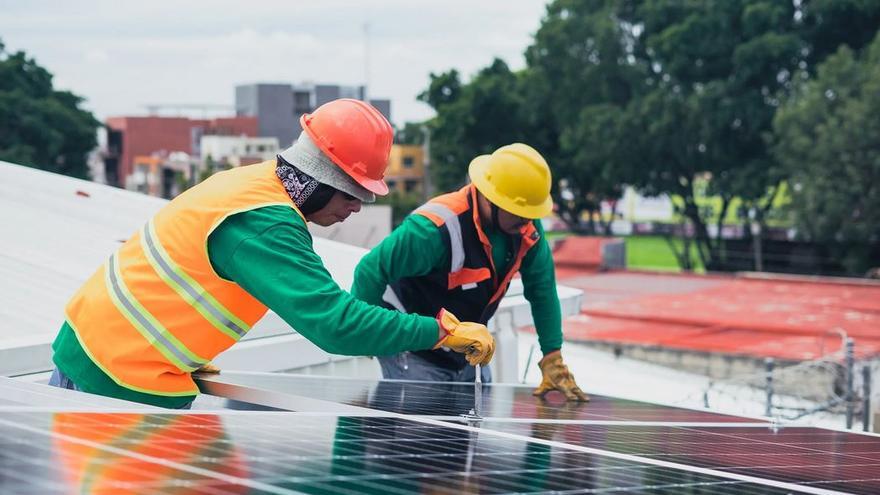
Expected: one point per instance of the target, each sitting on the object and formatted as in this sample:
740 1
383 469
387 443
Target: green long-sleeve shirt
416 248
271 257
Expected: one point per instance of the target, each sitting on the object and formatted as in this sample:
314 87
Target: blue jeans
409 366
60 380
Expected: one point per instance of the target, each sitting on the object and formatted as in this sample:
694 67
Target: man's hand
208 368
472 339
557 377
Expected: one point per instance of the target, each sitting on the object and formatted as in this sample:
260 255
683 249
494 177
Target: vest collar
528 233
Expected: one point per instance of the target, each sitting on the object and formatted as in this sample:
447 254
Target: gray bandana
298 184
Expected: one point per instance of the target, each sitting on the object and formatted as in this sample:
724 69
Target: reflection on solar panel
295 453
451 399
360 436
17 393
811 458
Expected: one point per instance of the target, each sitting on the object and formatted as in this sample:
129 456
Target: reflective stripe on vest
157 310
450 220
147 324
189 289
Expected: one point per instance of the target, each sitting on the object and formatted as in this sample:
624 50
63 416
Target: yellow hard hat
516 178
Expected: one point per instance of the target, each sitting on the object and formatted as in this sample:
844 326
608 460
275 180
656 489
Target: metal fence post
769 364
849 382
866 393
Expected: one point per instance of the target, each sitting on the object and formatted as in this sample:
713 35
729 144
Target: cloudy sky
123 55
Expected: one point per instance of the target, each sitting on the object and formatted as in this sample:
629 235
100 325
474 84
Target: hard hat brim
477 171
375 186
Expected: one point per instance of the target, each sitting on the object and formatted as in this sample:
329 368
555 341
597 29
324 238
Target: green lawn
654 253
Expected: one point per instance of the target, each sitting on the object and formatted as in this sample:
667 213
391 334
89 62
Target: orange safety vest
156 310
468 284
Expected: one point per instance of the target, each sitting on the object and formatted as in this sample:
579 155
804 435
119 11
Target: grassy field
647 252
654 253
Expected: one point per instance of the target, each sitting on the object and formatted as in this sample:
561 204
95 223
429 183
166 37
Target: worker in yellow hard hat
459 251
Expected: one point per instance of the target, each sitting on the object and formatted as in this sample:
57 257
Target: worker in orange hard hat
459 251
208 266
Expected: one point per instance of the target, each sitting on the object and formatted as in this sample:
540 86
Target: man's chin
326 222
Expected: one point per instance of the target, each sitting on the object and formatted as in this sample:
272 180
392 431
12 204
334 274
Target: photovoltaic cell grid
454 399
532 446
807 457
266 452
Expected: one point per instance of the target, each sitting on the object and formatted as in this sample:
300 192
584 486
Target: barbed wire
823 387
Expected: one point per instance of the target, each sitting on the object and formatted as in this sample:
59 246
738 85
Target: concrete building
163 175
406 168
235 151
128 137
278 107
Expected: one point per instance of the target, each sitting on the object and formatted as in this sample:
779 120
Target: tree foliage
39 126
580 78
671 97
828 141
472 119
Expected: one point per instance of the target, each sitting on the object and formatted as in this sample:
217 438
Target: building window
410 185
391 184
408 162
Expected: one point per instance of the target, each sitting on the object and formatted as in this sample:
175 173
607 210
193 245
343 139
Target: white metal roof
57 230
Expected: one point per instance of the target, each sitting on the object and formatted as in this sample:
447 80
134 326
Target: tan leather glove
557 377
472 339
208 368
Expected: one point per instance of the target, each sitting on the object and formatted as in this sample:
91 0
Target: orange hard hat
356 137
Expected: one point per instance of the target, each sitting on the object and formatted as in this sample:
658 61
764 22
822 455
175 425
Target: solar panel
293 392
362 436
266 452
807 457
18 393
811 456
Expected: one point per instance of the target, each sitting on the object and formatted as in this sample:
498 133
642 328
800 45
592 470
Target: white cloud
123 56
96 56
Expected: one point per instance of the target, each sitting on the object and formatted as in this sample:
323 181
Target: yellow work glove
472 339
208 368
557 377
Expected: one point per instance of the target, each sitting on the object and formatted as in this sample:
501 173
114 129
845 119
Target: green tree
472 119
411 133
581 75
720 69
825 25
39 126
828 140
674 97
716 72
